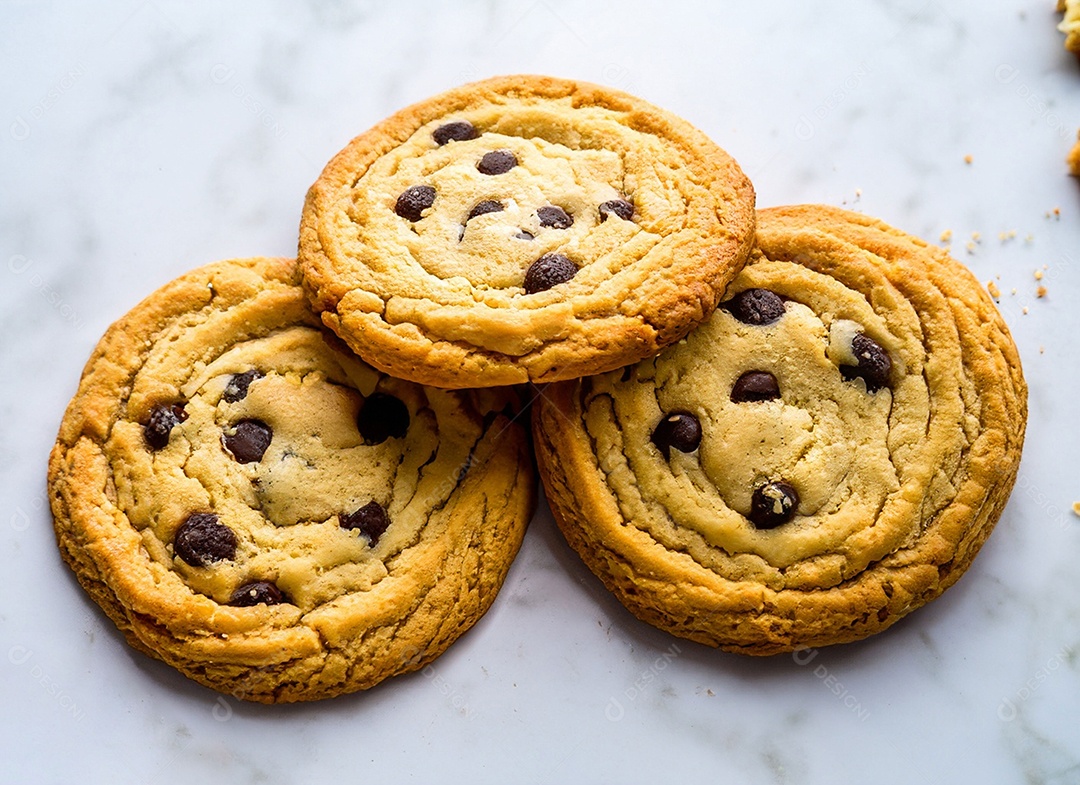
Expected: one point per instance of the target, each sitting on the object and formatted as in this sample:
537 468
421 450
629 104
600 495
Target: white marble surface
140 139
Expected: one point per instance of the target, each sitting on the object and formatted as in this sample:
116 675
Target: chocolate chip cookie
824 455
523 229
254 505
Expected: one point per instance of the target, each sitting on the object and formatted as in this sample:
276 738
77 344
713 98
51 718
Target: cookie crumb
1076 508
1006 236
1038 275
1040 292
1025 310
946 236
1013 290
968 159
970 246
1070 25
992 287
1042 350
1073 158
976 237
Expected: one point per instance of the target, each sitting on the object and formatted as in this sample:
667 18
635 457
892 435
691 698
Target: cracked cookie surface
256 506
822 456
523 229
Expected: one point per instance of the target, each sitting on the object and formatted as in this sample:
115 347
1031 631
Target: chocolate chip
248 440
413 201
555 217
201 540
772 504
163 418
680 430
549 270
256 593
237 388
371 520
755 306
485 207
617 207
381 417
874 363
523 235
457 131
497 162
755 386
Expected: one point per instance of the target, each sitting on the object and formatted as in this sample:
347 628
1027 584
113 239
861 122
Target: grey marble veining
140 138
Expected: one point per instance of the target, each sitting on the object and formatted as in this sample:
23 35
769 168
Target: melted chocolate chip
755 386
237 388
549 270
381 417
201 540
497 162
755 306
772 504
554 217
457 131
413 201
874 363
523 235
617 207
163 418
371 519
248 440
485 207
680 430
256 593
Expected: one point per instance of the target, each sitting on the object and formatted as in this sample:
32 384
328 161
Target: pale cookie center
762 434
488 228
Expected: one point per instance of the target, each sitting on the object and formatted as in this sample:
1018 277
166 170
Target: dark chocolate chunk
248 440
755 306
554 217
256 593
381 417
237 388
487 206
755 386
680 430
457 131
163 418
617 207
371 520
549 270
202 540
772 504
497 162
523 235
874 363
413 201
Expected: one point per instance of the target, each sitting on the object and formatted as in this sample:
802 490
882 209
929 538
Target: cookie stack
291 479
